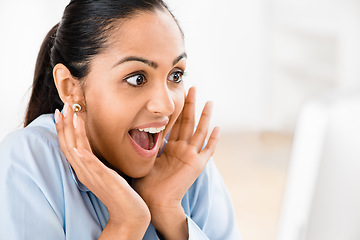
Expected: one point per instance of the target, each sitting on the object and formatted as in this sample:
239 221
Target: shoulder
33 181
42 129
32 140
33 151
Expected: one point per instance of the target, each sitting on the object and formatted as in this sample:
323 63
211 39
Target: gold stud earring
76 107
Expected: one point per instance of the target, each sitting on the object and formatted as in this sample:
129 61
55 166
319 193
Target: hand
128 213
176 169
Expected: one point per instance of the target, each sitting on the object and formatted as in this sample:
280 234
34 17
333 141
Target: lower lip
143 152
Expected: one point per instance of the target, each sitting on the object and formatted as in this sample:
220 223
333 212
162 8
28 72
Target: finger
202 129
69 131
88 168
175 130
59 119
60 131
94 171
91 164
80 133
84 168
209 149
97 177
188 119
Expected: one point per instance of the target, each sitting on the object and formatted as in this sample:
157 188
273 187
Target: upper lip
153 125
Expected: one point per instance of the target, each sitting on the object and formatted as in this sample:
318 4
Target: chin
139 173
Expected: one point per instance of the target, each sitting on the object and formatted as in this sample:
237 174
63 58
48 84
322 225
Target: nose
161 102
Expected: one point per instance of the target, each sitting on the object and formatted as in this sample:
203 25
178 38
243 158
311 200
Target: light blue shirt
41 198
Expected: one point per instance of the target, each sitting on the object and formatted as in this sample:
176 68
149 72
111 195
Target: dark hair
81 34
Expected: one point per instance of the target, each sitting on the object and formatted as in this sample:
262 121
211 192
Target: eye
176 76
136 80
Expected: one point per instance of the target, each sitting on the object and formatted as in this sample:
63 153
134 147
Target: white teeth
152 130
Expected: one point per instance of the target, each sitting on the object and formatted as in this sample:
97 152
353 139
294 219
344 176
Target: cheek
178 96
179 101
105 118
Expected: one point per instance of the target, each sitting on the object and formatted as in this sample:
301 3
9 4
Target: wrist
171 223
137 216
114 230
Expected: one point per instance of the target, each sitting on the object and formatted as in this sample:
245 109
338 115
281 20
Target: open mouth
146 138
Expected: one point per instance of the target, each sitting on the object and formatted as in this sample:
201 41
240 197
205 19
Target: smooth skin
96 141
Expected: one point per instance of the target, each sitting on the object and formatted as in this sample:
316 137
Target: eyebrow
147 62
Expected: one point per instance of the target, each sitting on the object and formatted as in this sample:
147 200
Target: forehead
152 34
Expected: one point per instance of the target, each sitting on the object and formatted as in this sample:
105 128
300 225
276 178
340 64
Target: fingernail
77 153
65 109
75 120
57 114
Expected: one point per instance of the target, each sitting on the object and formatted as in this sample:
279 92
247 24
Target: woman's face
134 86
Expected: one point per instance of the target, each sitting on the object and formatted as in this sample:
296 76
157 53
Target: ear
68 87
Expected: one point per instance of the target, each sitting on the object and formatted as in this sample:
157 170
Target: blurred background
258 61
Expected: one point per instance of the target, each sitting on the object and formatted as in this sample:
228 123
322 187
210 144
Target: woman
102 168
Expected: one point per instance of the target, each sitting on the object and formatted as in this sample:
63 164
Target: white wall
23 26
225 43
257 60
314 47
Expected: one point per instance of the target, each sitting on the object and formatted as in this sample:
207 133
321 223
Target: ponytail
44 96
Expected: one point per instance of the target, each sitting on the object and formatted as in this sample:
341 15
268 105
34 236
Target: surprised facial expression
134 92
